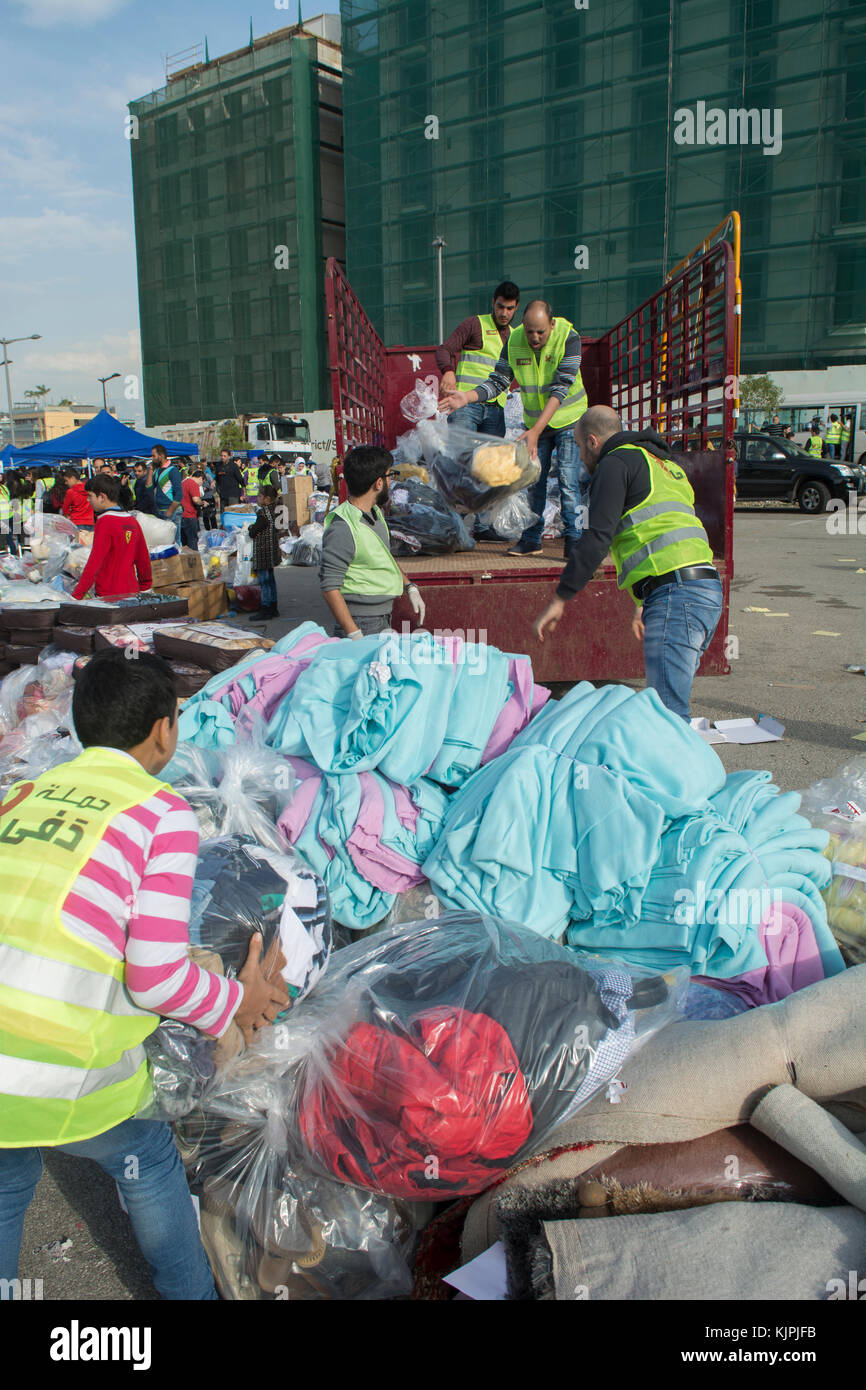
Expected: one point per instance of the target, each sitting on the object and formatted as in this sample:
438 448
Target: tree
232 436
760 393
38 392
66 402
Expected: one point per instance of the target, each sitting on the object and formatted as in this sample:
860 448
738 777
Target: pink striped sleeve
159 974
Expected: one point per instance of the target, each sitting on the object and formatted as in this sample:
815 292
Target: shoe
264 615
521 548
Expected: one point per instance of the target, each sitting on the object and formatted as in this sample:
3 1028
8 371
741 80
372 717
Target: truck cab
287 435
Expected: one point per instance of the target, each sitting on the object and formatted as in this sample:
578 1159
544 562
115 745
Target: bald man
543 356
641 508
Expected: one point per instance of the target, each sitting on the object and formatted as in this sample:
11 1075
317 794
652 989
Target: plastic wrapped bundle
307 549
181 1063
241 888
438 1054
474 470
422 401
240 790
422 523
33 690
509 517
272 1226
838 804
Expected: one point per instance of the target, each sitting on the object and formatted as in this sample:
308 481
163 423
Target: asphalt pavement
788 661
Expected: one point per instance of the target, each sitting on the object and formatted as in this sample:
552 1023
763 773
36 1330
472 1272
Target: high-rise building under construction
582 149
238 196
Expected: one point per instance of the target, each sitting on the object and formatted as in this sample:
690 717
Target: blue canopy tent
102 437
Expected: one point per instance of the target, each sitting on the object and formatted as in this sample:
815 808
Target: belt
646 586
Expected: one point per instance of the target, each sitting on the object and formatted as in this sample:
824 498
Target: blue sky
67 247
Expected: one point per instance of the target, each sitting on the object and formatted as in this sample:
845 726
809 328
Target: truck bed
487 596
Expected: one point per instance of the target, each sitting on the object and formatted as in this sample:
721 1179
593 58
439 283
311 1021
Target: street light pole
439 245
104 379
4 343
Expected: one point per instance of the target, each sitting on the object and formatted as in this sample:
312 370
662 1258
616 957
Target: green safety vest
845 433
251 474
815 445
662 533
834 432
373 571
476 366
72 1064
5 505
534 375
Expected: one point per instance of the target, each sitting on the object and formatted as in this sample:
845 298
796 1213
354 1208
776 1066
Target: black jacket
621 480
230 482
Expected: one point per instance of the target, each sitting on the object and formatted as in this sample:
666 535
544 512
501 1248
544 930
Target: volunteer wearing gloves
543 356
359 576
97 859
641 508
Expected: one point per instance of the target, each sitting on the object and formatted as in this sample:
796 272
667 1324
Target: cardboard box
296 498
167 573
191 564
206 598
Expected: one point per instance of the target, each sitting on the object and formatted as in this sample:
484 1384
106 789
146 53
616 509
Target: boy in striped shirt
97 860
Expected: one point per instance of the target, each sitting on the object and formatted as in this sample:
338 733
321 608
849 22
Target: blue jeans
679 622
143 1159
480 417
269 588
573 485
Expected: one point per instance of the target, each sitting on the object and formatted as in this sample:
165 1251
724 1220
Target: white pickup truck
305 438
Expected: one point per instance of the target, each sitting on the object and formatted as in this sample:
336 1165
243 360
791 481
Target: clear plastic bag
423 401
317 503
243 566
509 517
407 449
272 1226
241 888
239 790
307 549
474 470
838 804
437 1054
32 690
421 522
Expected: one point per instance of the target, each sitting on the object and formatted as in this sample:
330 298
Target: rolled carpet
818 1138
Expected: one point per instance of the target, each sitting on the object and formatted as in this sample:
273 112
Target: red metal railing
357 361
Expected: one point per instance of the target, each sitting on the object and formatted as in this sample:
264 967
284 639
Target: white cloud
52 231
45 14
87 358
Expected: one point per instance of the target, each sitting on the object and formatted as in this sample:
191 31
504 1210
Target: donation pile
430 1058
375 732
838 805
605 819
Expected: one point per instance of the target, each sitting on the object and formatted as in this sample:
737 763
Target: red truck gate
671 365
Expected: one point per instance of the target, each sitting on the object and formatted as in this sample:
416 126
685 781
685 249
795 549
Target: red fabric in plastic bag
412 1116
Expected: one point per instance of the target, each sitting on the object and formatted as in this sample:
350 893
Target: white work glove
353 636
417 603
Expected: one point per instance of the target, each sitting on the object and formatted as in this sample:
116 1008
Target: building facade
238 199
583 150
35 424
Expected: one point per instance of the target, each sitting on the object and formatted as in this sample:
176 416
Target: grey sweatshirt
338 552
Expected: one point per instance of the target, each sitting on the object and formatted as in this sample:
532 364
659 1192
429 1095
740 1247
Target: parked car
773 469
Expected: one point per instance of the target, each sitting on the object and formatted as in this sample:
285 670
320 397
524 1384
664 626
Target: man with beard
360 578
469 357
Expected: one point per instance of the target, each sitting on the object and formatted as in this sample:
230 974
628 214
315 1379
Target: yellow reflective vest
72 1064
475 366
662 533
534 375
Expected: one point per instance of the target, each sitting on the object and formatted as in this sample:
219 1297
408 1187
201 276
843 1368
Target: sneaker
524 548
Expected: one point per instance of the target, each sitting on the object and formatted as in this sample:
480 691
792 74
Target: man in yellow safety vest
543 357
97 859
834 436
641 508
469 356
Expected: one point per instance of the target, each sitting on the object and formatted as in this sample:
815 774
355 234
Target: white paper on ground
702 727
766 730
484 1278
